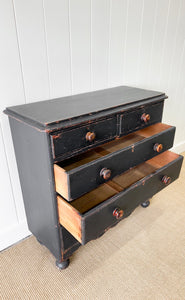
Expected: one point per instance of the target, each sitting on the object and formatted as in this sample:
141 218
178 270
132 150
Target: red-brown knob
118 213
105 173
90 136
166 179
145 117
158 147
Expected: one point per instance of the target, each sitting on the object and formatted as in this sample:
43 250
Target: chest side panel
35 172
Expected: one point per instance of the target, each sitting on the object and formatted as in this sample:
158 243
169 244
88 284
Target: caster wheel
62 265
145 204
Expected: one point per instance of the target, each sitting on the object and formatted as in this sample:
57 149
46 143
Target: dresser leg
62 264
145 204
39 241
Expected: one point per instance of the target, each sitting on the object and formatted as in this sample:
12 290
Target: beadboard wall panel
118 23
29 17
100 30
13 225
171 68
160 25
80 36
147 34
56 18
53 48
11 81
133 41
7 203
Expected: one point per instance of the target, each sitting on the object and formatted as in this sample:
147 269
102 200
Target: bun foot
145 204
62 264
40 242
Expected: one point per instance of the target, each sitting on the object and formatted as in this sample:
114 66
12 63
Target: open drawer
79 175
89 216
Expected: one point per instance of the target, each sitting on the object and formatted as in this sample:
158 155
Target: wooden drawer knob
158 147
105 173
145 117
118 213
166 179
90 136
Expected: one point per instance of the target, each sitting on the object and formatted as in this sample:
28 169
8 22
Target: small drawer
79 175
67 143
142 117
89 216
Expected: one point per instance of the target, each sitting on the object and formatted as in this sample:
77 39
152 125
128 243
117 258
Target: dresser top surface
46 113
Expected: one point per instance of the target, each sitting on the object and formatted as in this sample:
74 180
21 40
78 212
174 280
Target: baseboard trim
179 148
13 234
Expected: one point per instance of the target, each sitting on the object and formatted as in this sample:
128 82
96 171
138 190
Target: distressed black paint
67 143
128 200
131 120
53 130
61 111
87 177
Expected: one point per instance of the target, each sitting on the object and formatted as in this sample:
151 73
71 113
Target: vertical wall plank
11 85
7 208
168 81
58 46
80 27
148 22
31 36
177 48
180 99
169 42
100 14
133 35
12 167
158 43
11 93
118 21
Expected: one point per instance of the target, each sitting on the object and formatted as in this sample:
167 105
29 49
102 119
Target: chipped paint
56 136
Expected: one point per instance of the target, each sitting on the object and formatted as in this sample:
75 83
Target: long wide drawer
89 216
79 175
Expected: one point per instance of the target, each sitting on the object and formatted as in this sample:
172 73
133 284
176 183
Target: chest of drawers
87 161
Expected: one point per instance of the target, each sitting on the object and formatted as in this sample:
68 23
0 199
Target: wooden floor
143 257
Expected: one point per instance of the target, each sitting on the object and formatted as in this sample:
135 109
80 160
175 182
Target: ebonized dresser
87 161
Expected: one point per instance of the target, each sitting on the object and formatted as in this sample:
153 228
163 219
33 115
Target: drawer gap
153 129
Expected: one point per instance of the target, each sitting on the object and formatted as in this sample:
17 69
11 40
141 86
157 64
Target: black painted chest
87 161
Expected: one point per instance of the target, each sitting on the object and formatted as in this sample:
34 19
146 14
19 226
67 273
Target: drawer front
67 143
89 176
91 215
139 118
